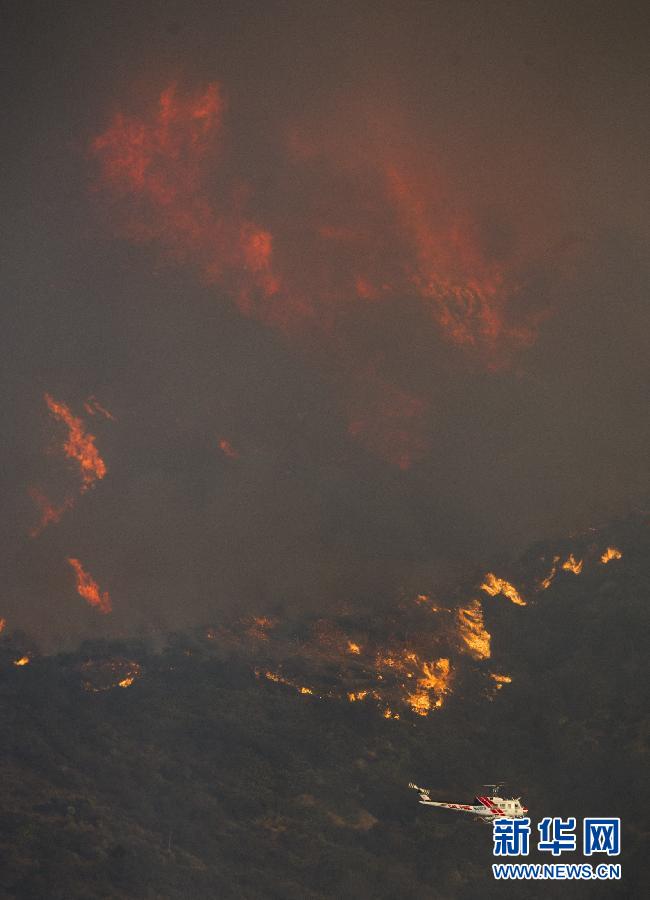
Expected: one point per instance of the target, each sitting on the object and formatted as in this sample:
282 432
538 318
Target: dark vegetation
202 781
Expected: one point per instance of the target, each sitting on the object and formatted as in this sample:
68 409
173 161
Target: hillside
264 758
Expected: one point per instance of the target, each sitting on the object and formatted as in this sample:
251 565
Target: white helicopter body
486 808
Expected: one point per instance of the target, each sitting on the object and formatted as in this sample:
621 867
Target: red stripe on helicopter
487 802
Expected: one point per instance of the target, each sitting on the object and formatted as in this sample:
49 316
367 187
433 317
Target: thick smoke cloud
394 260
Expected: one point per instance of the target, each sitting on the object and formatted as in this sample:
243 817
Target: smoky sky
527 120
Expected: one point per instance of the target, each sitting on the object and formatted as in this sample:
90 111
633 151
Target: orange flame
610 554
500 680
433 679
432 687
79 445
571 564
88 588
354 696
354 648
467 295
546 582
493 586
280 679
472 630
157 168
3 625
23 661
391 238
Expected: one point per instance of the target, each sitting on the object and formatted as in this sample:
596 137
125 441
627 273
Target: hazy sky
394 254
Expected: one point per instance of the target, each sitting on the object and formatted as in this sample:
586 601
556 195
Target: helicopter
486 808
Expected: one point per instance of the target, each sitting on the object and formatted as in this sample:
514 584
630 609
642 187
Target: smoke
353 300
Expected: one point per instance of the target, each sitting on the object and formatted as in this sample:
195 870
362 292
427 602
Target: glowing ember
106 674
546 582
572 565
610 554
23 661
79 445
354 648
227 449
472 630
88 588
94 407
493 586
3 625
259 627
50 514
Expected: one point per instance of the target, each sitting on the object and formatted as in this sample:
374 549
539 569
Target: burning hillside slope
179 771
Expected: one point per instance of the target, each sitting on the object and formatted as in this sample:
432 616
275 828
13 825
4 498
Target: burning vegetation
280 679
494 586
546 582
312 278
79 447
475 637
88 588
79 444
571 564
106 674
610 554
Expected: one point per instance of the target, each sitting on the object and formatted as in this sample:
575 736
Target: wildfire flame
546 582
23 661
280 679
493 586
354 648
500 680
472 630
88 588
354 696
3 625
156 171
571 564
610 554
432 687
433 679
79 445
